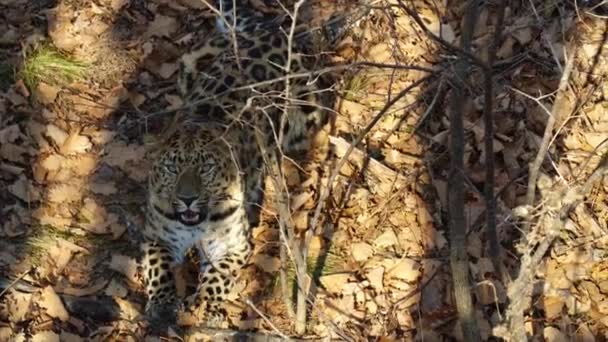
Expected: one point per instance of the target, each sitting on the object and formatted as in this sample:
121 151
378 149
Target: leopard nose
188 200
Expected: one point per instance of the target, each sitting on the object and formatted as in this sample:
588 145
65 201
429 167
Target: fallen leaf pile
74 157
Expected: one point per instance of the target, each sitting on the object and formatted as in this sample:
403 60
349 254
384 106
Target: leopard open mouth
189 217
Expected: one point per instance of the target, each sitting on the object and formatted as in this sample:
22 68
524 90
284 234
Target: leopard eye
205 168
170 167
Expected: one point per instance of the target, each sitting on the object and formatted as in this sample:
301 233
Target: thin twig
544 146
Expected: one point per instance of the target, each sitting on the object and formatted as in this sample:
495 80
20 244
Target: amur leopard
205 186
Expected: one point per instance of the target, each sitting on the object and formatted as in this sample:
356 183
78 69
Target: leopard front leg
157 263
217 278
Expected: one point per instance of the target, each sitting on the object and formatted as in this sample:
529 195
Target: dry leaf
126 266
23 189
161 26
128 310
118 153
166 70
334 283
361 251
74 144
46 93
404 269
552 334
552 305
376 277
50 301
10 134
56 134
18 306
386 239
267 263
45 336
105 188
116 289
65 336
65 193
13 153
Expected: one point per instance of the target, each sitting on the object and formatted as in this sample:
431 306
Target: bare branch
458 254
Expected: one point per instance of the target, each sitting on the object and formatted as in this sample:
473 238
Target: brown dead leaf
103 188
128 310
24 190
52 219
15 98
75 144
162 26
267 263
56 134
18 306
10 134
45 336
50 301
126 266
386 239
167 70
64 287
376 277
59 254
404 269
13 153
5 333
65 336
116 289
552 305
46 93
361 251
334 283
65 193
552 334
118 153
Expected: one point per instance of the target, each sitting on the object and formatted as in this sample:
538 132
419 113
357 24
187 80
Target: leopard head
194 178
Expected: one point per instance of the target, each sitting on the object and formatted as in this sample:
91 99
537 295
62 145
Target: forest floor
87 86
